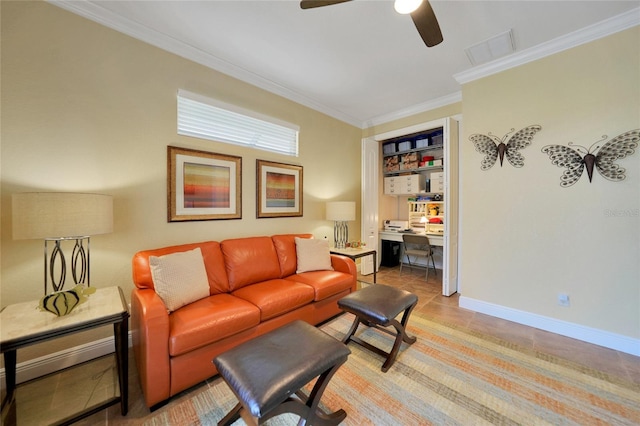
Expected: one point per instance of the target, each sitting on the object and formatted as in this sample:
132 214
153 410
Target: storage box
391 164
389 148
404 146
411 156
409 165
422 142
409 161
436 139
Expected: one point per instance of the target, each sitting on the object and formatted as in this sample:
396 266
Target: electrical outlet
563 299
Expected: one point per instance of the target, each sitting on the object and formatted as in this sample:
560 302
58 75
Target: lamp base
55 266
340 234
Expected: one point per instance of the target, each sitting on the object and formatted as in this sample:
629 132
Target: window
207 118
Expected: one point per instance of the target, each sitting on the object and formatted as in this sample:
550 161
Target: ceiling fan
421 12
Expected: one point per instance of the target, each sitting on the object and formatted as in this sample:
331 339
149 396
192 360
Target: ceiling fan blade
427 25
310 4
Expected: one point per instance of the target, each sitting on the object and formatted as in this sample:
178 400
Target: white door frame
369 202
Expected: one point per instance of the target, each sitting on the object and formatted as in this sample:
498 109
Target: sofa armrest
346 265
150 334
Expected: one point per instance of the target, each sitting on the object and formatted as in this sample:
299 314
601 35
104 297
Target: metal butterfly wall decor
602 156
493 147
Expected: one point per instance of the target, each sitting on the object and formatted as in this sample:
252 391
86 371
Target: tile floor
431 303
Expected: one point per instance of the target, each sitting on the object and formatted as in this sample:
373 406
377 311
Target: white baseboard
576 331
51 363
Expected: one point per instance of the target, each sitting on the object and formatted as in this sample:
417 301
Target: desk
23 325
434 239
355 253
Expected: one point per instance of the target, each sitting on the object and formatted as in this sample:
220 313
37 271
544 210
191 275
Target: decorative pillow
313 255
179 278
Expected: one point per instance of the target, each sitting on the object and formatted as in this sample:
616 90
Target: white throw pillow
313 255
179 278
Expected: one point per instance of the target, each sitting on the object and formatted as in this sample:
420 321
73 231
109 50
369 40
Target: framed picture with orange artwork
278 190
203 185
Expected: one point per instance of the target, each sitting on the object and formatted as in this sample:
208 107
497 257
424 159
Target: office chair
417 246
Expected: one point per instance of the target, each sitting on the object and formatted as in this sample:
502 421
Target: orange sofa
253 288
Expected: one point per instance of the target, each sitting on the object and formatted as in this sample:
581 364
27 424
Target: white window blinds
207 118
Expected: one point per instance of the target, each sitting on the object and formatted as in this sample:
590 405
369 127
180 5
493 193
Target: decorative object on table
203 185
62 302
341 212
602 156
62 216
278 189
493 147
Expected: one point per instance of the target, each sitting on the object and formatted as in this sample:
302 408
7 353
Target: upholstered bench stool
378 306
267 373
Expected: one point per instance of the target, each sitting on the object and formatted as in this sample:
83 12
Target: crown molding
585 35
414 109
138 31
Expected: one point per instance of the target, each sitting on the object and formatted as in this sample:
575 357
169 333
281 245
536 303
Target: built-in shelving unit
427 216
410 160
415 153
420 169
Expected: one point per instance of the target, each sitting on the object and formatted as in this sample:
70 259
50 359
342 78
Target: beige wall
85 108
524 239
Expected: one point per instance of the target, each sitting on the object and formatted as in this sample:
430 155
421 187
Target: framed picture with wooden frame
203 185
278 190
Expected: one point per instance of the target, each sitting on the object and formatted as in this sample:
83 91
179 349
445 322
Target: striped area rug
450 376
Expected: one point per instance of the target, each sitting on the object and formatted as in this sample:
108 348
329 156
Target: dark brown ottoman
267 373
377 306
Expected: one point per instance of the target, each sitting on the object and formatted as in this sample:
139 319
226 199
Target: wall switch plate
563 299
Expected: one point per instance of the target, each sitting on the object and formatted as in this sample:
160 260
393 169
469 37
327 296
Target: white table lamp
60 216
341 212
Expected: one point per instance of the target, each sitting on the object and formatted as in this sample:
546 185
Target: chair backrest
417 239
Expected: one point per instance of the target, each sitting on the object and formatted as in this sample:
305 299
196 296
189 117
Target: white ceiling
360 62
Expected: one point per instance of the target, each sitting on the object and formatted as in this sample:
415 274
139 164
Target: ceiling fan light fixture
405 7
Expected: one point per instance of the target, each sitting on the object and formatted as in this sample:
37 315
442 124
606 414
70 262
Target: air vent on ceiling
490 49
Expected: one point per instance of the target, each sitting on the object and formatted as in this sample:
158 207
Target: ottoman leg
307 408
401 336
232 416
352 330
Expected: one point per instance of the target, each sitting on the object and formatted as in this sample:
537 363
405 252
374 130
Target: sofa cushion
250 260
213 262
313 255
325 283
285 245
209 320
179 278
276 297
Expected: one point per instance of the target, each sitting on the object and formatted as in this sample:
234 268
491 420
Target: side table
23 324
355 253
